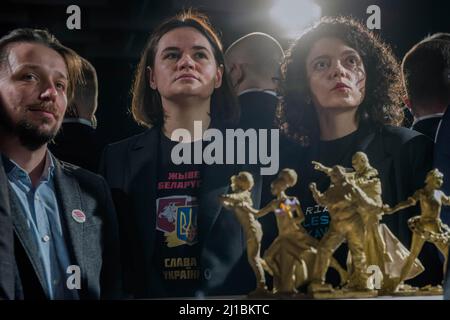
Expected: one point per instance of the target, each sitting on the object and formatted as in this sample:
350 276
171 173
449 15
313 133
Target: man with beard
64 222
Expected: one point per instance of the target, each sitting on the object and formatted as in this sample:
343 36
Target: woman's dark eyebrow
178 49
325 56
170 49
348 51
200 48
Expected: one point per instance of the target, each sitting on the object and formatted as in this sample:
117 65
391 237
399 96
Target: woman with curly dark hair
342 94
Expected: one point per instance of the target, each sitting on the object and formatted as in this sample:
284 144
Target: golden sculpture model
241 203
382 249
346 223
426 227
291 256
355 206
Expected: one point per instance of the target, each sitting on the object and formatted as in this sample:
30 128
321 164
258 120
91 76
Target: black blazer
257 110
442 159
427 127
129 167
93 245
402 157
7 283
442 162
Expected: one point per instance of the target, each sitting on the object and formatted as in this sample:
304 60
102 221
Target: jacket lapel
365 143
142 188
215 182
373 146
69 198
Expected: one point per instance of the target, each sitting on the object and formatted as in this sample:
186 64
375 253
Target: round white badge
78 216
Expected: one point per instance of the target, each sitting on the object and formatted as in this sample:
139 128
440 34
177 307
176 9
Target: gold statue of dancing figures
346 224
241 203
428 226
290 258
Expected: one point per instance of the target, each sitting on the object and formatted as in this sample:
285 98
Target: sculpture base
260 293
413 291
326 291
290 296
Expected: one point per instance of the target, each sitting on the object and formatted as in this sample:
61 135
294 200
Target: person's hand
411 201
317 165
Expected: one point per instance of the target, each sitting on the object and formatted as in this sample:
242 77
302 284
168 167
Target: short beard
29 135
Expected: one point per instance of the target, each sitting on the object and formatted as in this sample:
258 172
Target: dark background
113 33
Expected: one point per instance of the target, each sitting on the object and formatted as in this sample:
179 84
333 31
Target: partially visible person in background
254 65
424 73
77 142
442 157
7 269
254 62
442 163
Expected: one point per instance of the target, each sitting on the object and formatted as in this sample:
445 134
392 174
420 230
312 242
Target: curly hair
383 95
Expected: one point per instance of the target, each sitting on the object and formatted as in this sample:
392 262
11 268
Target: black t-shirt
330 153
176 256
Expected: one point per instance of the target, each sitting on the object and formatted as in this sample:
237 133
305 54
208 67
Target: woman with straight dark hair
177 239
342 94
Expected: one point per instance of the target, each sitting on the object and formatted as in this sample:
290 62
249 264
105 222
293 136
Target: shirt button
55 282
46 238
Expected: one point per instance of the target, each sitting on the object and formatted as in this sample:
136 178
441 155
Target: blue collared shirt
40 207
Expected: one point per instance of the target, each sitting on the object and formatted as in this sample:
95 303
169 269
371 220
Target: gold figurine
241 203
426 227
369 204
355 205
290 258
346 223
381 247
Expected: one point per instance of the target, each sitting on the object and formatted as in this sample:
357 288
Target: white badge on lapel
78 216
